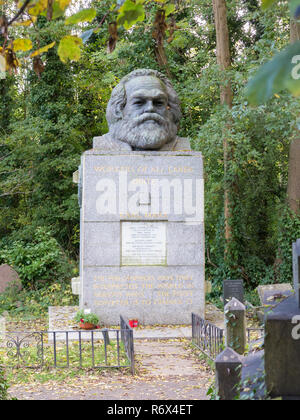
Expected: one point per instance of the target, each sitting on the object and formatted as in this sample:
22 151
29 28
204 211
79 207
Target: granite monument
141 193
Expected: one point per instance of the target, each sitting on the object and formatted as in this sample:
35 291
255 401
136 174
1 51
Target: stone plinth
228 374
142 236
235 325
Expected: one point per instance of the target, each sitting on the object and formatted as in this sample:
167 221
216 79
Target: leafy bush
32 303
38 262
3 385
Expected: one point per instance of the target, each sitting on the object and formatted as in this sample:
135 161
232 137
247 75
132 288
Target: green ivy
3 385
38 262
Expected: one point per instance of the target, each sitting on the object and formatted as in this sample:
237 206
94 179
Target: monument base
142 236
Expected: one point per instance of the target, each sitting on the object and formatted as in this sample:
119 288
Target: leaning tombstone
296 271
235 325
141 193
270 295
233 289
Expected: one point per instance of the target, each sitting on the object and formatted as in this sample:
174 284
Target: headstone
228 374
296 271
272 294
233 289
235 325
141 192
8 277
282 350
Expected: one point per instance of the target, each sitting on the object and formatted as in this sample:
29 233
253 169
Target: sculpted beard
149 131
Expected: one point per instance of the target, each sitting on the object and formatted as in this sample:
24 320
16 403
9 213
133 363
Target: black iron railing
210 339
207 337
67 349
127 340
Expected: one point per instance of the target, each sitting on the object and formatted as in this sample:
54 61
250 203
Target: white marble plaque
144 243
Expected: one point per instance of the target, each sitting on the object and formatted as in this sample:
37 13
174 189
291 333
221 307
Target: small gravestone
8 277
233 289
272 294
296 272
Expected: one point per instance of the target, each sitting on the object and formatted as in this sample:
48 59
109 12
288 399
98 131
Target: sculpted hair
117 102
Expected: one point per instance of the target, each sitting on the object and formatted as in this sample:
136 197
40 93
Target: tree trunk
294 154
158 34
226 96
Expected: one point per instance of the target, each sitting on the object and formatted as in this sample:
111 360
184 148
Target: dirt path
166 370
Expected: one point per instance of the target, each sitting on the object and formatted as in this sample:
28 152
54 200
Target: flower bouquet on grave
87 321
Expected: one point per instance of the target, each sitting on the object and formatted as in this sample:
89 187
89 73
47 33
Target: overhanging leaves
42 50
283 72
22 44
130 13
69 48
267 3
37 7
84 15
294 6
63 3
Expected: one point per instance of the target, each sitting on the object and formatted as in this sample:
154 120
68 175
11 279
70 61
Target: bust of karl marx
143 113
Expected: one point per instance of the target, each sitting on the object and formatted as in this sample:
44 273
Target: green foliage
90 318
84 15
3 385
279 74
38 262
130 13
32 304
282 72
69 48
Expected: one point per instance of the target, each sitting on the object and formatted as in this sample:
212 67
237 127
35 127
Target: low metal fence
127 340
210 339
207 337
105 348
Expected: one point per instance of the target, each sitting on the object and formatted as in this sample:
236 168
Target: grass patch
30 356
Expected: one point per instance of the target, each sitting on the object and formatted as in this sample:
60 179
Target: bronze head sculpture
143 113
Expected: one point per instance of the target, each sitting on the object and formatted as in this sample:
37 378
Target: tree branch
20 12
